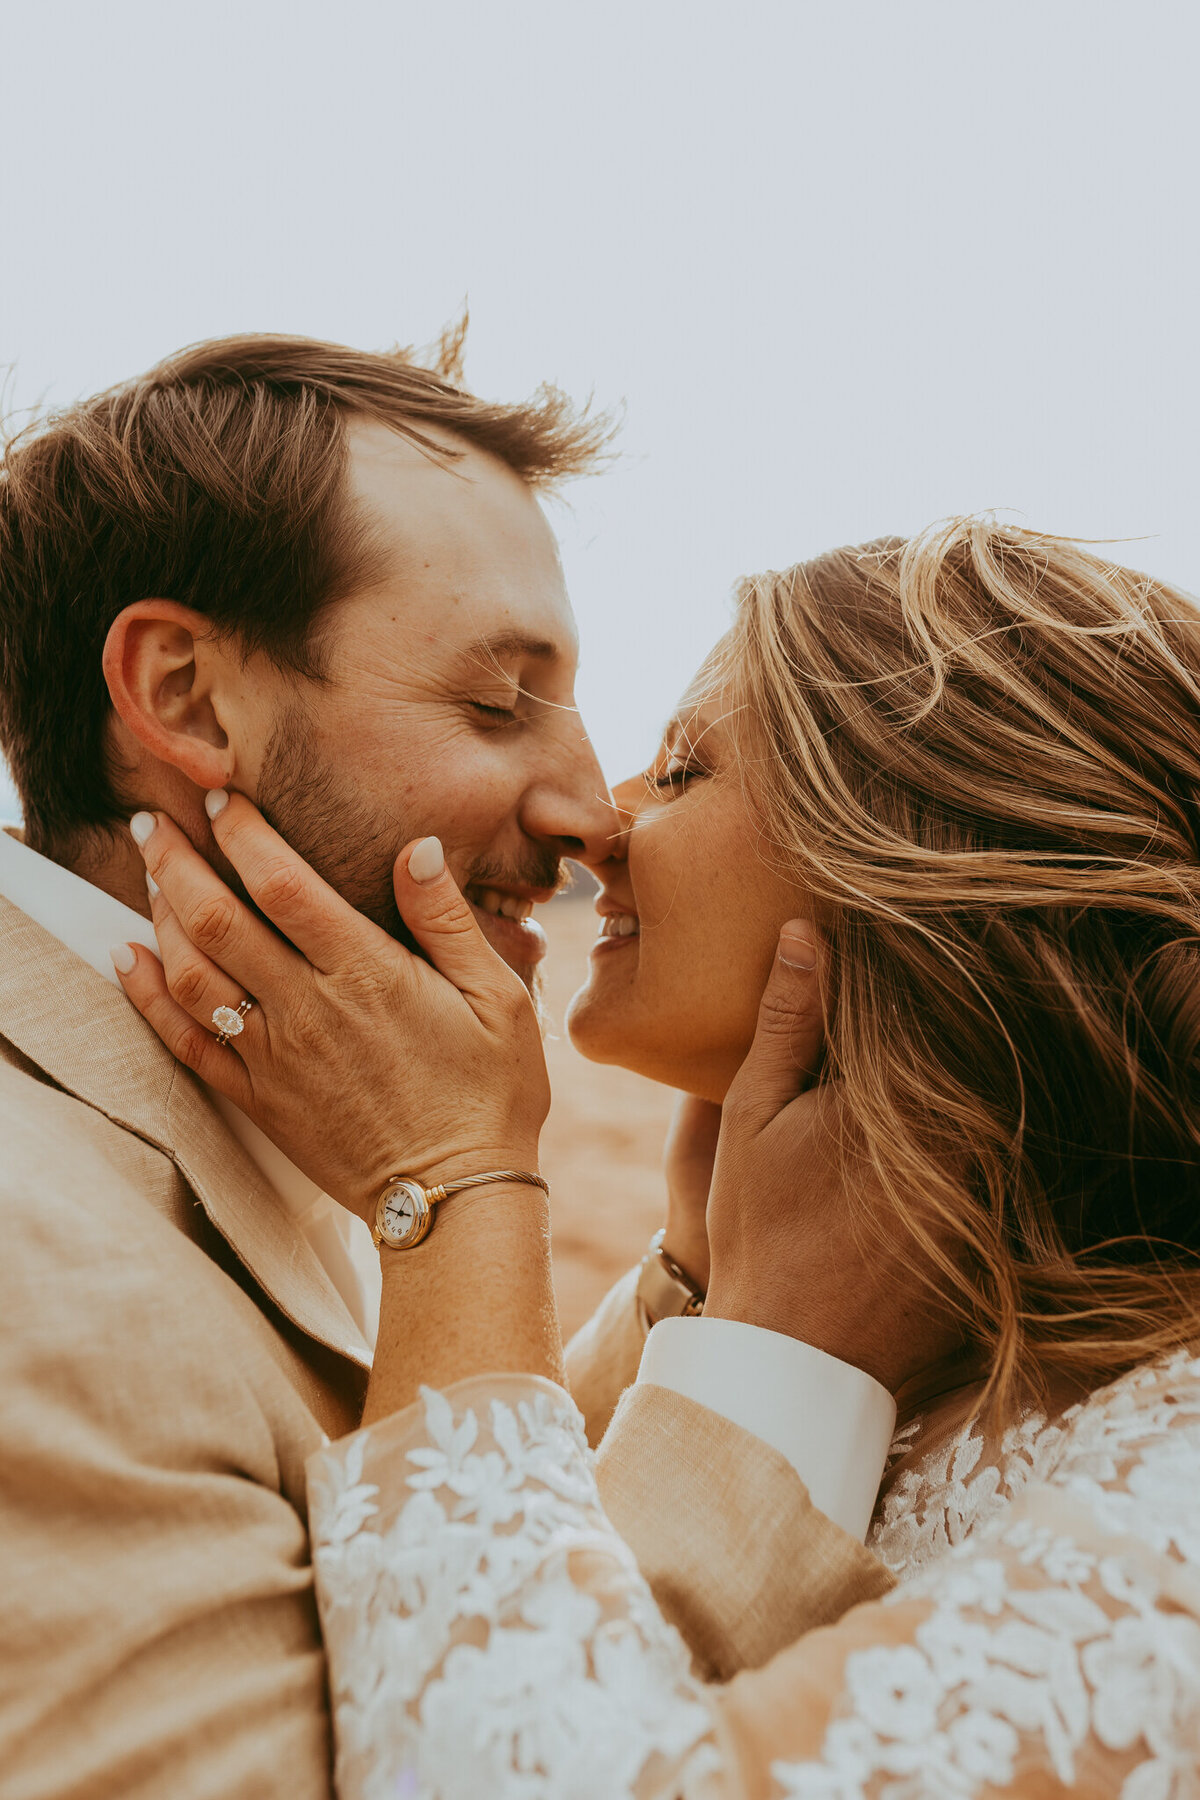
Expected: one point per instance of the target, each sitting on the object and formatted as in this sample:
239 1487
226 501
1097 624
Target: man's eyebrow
507 646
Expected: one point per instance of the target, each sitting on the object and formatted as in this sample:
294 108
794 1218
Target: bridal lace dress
490 1636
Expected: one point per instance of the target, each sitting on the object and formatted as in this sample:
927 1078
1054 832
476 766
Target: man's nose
573 809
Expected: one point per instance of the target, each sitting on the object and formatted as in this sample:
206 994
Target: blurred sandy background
602 1147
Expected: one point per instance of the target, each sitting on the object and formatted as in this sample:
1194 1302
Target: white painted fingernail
797 947
215 802
142 826
123 959
151 885
427 860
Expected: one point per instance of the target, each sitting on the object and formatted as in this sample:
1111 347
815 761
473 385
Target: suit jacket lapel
86 1036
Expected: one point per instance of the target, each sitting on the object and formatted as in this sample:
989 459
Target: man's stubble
318 811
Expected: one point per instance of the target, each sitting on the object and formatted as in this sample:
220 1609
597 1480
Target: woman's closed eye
669 779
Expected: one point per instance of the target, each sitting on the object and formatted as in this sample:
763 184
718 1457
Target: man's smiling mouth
497 903
507 922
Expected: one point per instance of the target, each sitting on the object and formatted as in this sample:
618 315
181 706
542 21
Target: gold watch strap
444 1188
423 1200
664 1290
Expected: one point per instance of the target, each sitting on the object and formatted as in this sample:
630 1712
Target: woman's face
690 904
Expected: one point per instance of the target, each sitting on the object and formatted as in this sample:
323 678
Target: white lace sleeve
489 1634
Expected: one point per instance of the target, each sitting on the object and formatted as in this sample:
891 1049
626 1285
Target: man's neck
114 867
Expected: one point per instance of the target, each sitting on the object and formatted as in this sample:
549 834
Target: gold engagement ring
229 1021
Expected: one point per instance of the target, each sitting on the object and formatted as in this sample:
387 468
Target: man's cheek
467 814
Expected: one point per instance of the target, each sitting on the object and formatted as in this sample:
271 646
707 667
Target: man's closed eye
492 714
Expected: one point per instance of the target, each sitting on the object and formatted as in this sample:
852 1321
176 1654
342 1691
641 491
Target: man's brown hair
217 480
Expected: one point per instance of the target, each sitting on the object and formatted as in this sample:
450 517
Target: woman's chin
606 1031
609 1020
594 1030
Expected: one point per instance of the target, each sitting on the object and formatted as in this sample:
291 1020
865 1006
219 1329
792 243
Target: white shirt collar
88 922
83 918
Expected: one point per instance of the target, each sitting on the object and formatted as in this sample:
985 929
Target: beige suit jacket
171 1352
739 1558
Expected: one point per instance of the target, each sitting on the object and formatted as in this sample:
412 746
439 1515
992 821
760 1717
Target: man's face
449 708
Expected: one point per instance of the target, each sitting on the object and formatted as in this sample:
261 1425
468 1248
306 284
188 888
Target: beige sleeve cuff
832 1421
603 1356
738 1557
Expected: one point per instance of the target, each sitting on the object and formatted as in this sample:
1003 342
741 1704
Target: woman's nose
627 798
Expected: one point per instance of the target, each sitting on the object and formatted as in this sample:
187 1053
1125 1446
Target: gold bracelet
404 1212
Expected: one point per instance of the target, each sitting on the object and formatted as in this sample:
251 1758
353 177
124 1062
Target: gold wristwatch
404 1214
664 1290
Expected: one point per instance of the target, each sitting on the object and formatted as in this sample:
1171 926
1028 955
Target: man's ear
165 672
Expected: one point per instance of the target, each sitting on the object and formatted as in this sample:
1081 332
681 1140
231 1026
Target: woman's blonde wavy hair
980 750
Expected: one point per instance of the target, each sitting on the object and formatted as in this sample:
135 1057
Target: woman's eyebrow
693 727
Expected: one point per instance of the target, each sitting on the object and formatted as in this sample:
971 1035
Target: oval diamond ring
229 1020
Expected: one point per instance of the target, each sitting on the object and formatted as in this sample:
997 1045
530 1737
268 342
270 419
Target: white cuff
832 1422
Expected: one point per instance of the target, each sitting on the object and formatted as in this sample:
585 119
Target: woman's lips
617 932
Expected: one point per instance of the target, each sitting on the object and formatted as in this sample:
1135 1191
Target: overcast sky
849 267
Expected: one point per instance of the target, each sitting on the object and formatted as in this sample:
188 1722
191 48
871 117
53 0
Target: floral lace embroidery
953 1491
490 1634
1098 1651
475 1662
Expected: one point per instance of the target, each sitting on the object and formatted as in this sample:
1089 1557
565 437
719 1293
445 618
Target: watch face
403 1214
